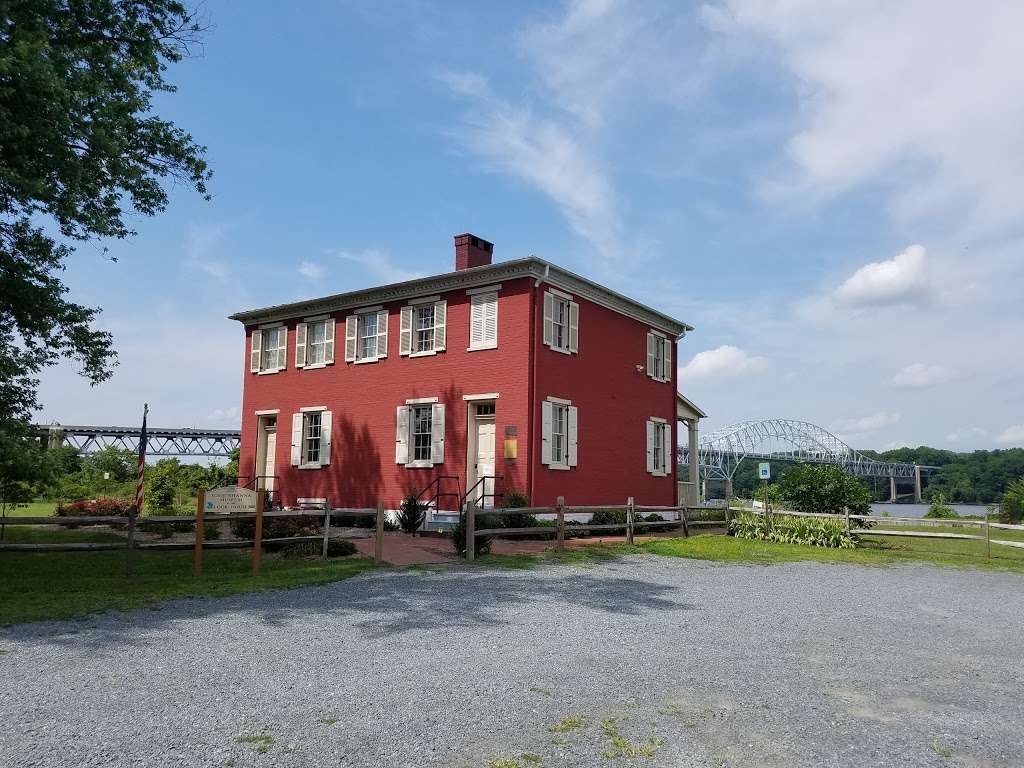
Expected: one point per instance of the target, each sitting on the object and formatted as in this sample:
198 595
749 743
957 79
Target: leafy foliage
940 509
822 488
1011 509
80 152
411 514
784 529
483 543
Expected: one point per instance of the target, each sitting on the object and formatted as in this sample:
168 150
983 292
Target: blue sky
832 193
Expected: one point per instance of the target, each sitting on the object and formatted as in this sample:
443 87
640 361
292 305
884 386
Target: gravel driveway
641 661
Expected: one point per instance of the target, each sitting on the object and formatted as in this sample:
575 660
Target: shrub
483 543
515 500
1011 510
89 508
335 548
279 527
610 517
940 509
814 532
823 488
411 514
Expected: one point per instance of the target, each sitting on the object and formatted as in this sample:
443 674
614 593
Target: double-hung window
314 342
423 327
268 349
559 433
419 437
311 438
659 449
366 335
659 356
561 322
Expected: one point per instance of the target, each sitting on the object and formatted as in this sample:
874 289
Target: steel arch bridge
160 442
721 451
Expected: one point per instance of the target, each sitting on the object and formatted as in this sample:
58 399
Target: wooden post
470 530
200 511
378 544
560 511
686 523
327 530
988 540
847 521
257 544
728 516
629 520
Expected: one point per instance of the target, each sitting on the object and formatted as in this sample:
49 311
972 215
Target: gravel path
677 662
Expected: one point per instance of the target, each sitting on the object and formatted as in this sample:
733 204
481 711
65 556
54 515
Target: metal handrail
438 493
483 479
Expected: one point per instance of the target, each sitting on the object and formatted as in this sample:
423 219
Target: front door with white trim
269 462
485 459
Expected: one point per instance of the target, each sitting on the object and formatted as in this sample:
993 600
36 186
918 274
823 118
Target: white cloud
921 375
925 94
311 270
202 244
865 424
1013 434
965 434
899 279
224 418
379 264
726 360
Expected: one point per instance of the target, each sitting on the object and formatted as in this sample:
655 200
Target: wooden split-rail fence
131 523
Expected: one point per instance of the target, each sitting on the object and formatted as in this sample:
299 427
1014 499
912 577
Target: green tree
80 152
1011 510
822 488
162 483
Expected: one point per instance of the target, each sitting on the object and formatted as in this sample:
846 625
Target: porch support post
695 487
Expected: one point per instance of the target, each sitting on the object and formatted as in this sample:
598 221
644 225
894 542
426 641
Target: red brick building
518 370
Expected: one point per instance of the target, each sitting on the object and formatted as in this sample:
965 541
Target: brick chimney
472 251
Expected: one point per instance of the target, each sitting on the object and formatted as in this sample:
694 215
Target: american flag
140 473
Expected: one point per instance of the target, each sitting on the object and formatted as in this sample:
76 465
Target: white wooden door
270 462
485 460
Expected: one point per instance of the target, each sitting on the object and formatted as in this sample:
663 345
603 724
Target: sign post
229 500
764 471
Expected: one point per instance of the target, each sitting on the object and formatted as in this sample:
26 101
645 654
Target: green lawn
35 586
33 509
873 551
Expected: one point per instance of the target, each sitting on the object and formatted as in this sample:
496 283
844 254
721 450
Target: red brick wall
614 401
363 399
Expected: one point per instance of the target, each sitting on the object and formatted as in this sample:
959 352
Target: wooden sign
230 500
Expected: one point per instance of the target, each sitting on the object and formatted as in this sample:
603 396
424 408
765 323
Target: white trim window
659 448
366 336
314 343
419 433
559 433
311 438
268 350
561 322
659 356
483 321
423 327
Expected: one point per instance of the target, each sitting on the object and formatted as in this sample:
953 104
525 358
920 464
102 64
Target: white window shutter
351 337
254 351
296 439
329 342
652 358
301 331
405 331
572 439
437 433
382 333
491 319
282 348
651 426
326 422
476 320
574 327
545 432
440 325
669 343
669 452
549 319
402 435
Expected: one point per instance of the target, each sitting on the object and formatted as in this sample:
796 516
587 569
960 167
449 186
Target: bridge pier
55 436
892 489
917 484
728 490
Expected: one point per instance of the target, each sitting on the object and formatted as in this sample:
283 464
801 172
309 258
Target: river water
918 510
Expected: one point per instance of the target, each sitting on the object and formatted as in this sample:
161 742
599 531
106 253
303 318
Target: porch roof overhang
686 410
